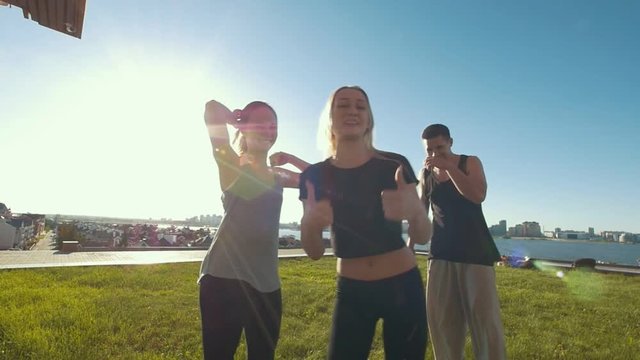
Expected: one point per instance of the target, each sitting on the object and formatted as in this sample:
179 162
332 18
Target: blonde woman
364 195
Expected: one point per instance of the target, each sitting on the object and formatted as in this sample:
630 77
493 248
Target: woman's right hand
318 214
216 113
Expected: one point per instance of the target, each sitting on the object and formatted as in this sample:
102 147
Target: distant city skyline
546 94
218 217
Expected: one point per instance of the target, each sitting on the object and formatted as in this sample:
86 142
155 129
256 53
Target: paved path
13 259
52 258
47 242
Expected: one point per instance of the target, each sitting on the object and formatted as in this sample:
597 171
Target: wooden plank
70 17
32 8
43 13
81 8
59 13
55 14
51 13
23 5
18 3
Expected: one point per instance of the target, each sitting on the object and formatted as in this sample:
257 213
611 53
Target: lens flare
518 258
584 285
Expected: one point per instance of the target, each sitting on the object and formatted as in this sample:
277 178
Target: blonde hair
326 140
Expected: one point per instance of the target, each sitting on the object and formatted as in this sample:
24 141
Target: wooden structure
66 16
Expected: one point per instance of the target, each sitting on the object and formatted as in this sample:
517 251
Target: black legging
399 301
228 306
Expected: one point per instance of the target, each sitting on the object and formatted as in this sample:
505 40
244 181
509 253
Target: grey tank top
245 247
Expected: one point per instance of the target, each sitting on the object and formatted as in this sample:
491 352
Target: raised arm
288 178
473 184
216 118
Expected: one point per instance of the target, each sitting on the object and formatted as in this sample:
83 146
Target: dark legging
228 306
399 301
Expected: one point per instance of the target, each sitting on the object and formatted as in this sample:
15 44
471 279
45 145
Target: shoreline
566 240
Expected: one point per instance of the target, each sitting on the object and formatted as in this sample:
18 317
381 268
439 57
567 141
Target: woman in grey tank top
239 282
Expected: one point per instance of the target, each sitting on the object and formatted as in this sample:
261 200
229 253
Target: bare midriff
377 267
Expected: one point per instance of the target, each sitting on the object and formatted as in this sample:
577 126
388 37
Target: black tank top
460 232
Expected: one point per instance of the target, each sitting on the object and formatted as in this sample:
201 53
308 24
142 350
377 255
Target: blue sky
546 93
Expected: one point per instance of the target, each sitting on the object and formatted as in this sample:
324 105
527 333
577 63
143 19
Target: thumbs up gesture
317 213
402 203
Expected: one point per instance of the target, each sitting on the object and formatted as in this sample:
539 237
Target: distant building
519 230
531 229
500 229
526 229
627 238
592 233
8 235
573 235
16 231
612 235
5 212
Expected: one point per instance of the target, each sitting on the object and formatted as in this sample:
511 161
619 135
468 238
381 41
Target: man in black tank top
461 285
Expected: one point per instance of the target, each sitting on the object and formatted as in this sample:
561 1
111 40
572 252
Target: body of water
569 250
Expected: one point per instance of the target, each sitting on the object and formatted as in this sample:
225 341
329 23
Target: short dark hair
435 130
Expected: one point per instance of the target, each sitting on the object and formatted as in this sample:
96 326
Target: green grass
151 312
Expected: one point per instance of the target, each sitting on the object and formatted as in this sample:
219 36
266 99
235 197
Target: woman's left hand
280 158
402 203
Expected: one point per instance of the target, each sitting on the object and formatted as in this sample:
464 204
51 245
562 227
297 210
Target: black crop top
359 228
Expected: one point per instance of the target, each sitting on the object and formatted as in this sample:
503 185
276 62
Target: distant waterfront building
573 235
612 235
500 229
531 229
526 229
592 233
627 238
519 230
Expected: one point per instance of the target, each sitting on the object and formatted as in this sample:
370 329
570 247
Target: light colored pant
460 296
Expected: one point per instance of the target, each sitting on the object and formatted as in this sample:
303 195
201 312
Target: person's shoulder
317 167
321 165
381 154
471 158
393 158
388 155
475 157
